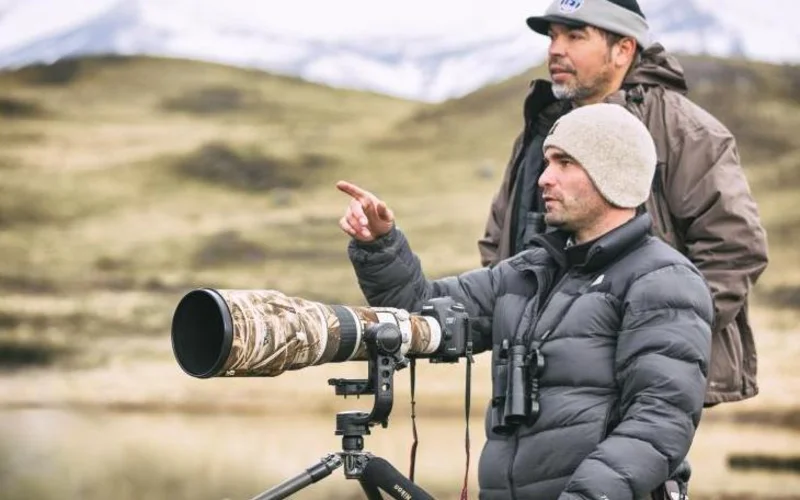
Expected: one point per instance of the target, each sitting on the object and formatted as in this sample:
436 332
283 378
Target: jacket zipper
511 486
539 342
510 473
544 306
519 159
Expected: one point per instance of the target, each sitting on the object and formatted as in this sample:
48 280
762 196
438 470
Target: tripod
373 473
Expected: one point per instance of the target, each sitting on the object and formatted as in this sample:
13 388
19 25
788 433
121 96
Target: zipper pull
504 346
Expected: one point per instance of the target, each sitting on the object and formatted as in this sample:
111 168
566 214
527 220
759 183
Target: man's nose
556 47
546 178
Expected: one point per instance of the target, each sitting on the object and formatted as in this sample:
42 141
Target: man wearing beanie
700 201
614 325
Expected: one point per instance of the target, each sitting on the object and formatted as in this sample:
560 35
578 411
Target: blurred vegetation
210 100
61 72
217 163
18 108
125 182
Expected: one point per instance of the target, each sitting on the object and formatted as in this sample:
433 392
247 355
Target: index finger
354 191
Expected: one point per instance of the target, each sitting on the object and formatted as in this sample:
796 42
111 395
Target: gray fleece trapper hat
623 17
614 148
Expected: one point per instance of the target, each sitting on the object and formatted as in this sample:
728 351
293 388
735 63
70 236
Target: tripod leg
379 473
311 475
370 490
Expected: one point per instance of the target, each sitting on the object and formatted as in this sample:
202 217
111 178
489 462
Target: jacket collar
605 250
540 99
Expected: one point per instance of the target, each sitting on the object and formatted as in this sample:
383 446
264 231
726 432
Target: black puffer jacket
627 341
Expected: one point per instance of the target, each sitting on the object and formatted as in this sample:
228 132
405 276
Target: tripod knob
352 423
388 337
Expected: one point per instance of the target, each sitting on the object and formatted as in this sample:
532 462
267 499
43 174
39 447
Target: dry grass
160 434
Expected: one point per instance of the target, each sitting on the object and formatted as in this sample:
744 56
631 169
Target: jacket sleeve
661 366
489 244
390 275
710 200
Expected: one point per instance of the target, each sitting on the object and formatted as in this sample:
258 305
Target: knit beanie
613 146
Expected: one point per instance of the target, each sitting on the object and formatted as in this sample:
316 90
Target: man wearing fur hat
614 325
700 201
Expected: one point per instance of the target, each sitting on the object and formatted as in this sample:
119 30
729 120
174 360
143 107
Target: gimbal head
383 342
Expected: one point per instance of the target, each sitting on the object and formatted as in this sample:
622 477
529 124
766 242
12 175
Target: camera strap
467 400
469 361
412 376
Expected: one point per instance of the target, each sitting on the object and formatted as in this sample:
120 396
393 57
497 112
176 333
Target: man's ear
623 52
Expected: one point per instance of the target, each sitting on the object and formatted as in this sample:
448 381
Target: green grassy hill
124 182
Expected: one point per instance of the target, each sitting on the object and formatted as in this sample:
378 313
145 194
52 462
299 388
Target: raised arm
390 274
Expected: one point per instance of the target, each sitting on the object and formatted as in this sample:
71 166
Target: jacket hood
657 67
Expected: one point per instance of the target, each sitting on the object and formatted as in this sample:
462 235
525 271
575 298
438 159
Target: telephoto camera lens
263 333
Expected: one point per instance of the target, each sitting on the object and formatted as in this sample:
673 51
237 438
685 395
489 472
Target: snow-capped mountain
418 49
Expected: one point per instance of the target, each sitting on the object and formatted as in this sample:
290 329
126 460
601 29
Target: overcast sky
324 19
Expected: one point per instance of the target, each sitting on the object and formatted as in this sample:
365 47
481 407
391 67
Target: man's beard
569 93
554 221
578 91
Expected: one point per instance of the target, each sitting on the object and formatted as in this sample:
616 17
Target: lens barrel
262 333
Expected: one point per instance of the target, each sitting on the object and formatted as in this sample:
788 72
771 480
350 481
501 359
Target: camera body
456 337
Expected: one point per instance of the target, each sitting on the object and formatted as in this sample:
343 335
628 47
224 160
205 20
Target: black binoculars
515 386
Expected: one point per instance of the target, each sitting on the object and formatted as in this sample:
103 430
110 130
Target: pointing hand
366 217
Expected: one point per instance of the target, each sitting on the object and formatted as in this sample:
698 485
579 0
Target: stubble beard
579 92
553 220
574 215
565 92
